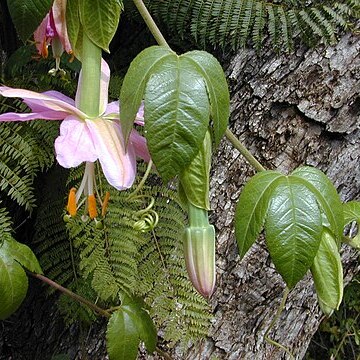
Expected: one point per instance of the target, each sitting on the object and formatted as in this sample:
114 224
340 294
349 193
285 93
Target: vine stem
161 41
71 294
143 180
144 12
274 320
243 150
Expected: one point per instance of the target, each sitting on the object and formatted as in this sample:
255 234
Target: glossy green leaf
327 273
28 14
351 212
321 186
195 179
13 280
177 113
293 229
74 27
122 337
217 87
126 327
252 207
133 87
100 19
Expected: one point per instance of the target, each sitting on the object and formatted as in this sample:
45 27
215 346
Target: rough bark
289 110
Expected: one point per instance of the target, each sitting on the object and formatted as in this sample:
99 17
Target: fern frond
226 23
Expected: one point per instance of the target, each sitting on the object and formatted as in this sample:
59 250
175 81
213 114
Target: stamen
105 204
71 205
44 50
92 206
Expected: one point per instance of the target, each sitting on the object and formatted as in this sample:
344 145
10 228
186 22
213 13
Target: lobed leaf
133 87
327 196
217 88
100 19
177 113
195 179
252 207
293 229
327 273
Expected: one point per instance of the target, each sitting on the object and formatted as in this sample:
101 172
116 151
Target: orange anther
71 205
92 206
105 204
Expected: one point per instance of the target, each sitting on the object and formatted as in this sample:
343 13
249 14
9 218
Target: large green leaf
13 280
293 228
252 207
100 19
217 87
126 327
28 14
177 114
122 337
327 273
321 186
196 177
133 87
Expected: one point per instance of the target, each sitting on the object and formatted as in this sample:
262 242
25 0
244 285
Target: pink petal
58 10
40 36
45 115
104 87
119 167
42 100
75 144
140 115
138 143
112 108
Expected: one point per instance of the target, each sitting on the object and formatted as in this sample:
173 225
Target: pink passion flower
85 139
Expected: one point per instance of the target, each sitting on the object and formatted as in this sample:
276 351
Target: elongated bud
327 273
71 205
92 206
199 250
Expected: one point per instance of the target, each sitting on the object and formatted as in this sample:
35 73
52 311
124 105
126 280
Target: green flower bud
199 250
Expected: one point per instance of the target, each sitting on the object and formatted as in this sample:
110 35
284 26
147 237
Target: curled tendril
145 219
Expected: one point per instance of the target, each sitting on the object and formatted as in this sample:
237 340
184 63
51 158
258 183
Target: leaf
73 25
252 207
122 337
100 20
177 115
293 229
217 88
351 212
126 327
195 179
23 255
327 273
323 189
13 280
133 87
28 14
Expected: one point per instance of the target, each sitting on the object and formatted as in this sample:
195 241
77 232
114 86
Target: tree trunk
289 110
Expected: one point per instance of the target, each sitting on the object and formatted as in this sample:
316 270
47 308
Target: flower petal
40 37
75 143
43 100
138 143
58 10
45 115
119 167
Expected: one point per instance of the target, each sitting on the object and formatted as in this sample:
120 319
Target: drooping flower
85 139
52 31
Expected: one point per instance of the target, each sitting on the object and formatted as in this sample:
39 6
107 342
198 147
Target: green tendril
145 219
